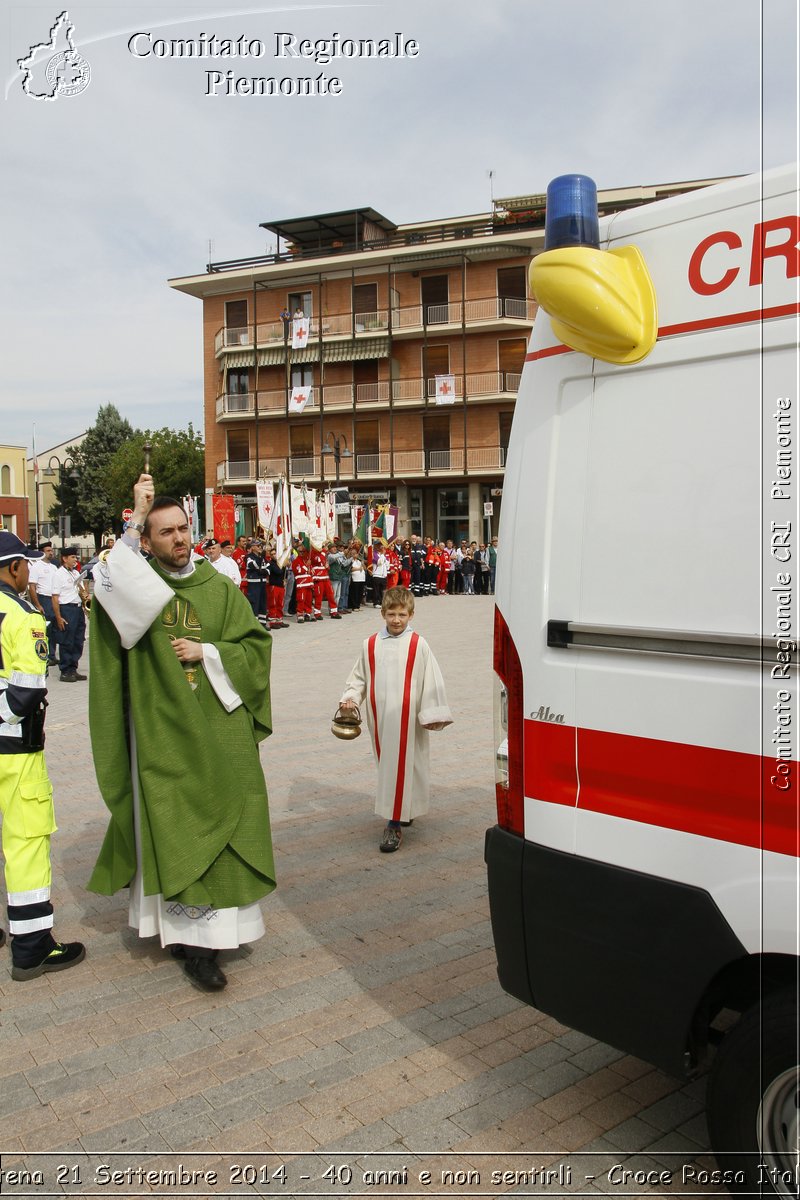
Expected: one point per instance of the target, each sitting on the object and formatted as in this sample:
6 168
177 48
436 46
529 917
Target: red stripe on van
720 794
719 322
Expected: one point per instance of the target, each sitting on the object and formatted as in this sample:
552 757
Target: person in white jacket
400 680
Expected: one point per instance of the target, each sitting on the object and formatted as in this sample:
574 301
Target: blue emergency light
571 218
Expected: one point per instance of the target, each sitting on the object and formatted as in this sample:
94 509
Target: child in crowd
400 678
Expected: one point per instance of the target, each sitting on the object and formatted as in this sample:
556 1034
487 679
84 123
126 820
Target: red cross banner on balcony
445 389
300 331
265 504
224 520
299 398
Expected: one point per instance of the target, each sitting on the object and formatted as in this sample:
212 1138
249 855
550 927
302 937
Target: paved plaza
367 1030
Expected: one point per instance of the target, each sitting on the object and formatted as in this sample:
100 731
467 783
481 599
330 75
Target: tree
177 464
83 494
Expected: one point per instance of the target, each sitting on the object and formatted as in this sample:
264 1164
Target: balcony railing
373 466
501 225
405 393
405 318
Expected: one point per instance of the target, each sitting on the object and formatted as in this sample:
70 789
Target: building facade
44 473
415 341
13 493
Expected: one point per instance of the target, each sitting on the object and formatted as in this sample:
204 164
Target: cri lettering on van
789 249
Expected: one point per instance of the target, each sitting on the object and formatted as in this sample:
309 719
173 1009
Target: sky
110 191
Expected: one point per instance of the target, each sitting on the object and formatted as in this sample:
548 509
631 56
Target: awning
359 349
344 351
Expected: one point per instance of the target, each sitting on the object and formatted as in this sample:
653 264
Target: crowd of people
348 575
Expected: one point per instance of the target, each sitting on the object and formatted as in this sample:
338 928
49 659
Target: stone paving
367 1030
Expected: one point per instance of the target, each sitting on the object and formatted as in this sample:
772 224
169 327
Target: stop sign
127 513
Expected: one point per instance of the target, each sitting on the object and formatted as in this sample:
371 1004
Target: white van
643 871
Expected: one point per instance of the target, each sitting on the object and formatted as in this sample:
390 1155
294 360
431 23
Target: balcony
409 321
374 467
349 397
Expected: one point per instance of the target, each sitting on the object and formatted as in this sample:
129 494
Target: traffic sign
127 513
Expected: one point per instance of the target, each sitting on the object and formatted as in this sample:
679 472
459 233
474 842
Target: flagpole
35 485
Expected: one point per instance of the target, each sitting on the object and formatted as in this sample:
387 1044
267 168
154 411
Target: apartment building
416 339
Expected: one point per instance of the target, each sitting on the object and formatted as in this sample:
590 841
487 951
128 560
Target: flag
445 389
318 535
300 331
282 525
379 526
265 504
300 510
364 531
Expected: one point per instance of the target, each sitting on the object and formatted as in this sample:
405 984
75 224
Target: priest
179 686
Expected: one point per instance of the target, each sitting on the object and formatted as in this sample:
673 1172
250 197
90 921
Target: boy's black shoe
63 955
2 937
391 839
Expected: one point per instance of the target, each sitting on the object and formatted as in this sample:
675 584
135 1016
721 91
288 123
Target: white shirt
41 574
65 586
226 566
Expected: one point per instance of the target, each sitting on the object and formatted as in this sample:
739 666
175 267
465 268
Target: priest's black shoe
2 937
204 973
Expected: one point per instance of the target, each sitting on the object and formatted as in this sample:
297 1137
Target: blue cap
11 547
571 218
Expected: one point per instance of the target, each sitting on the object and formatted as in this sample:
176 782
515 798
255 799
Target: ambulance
643 871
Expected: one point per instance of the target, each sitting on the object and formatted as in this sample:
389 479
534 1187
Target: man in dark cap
68 597
26 794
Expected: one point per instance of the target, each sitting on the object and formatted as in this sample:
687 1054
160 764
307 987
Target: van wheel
753 1101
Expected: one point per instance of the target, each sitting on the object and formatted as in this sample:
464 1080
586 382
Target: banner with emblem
190 508
445 389
330 515
265 504
318 535
224 521
300 331
300 510
300 397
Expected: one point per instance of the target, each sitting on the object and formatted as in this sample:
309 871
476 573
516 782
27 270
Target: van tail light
508 730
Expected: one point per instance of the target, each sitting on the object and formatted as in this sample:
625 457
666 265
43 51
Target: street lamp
66 469
336 450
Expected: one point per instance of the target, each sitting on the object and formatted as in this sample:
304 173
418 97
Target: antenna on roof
490 173
210 249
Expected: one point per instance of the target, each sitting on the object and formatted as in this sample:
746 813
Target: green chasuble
205 835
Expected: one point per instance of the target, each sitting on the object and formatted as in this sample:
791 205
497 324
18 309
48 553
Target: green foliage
177 464
97 486
83 492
